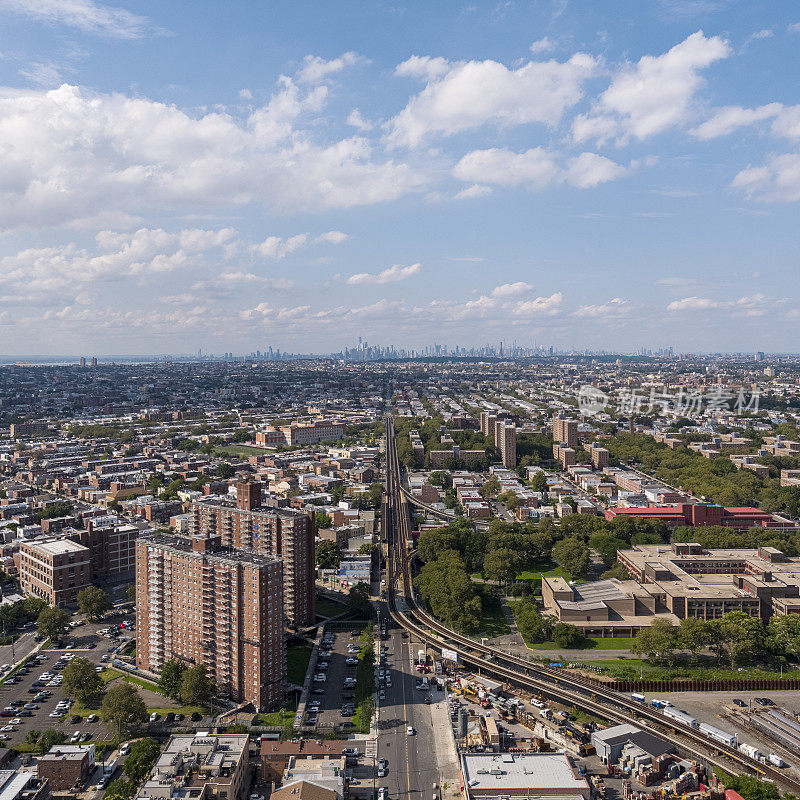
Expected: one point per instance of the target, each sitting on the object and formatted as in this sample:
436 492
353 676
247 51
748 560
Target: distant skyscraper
83 361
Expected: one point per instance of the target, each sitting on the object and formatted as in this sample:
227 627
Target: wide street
413 769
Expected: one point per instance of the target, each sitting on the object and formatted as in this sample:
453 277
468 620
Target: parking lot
338 689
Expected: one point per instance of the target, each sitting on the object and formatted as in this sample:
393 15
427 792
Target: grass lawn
241 450
542 568
493 621
327 608
589 643
297 658
632 668
277 717
153 687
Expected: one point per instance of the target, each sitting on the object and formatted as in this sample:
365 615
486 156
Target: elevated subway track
571 690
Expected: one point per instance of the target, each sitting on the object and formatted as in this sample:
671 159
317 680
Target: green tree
123 708
225 470
490 487
694 635
367 549
539 482
197 686
658 642
572 554
31 737
328 554
81 680
93 602
60 508
171 677
566 635
49 739
358 599
449 591
53 623
120 789
531 624
618 571
501 564
438 478
322 520
741 637
783 635
141 758
510 499
607 546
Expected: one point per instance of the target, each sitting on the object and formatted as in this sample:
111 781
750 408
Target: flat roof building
518 775
54 570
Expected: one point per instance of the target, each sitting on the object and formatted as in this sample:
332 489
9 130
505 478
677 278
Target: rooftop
529 771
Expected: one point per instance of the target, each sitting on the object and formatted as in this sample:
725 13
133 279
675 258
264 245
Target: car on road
92 718
409 731
76 737
383 793
196 716
740 703
154 717
317 691
7 729
382 695
351 661
75 719
56 714
4 737
125 749
350 751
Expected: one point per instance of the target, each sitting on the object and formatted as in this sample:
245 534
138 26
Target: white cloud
471 192
793 27
590 169
355 120
692 304
512 289
543 45
423 67
70 156
766 33
540 306
275 248
331 237
42 74
245 94
653 95
316 69
750 306
467 94
117 256
86 15
777 181
390 275
238 276
536 168
785 120
616 307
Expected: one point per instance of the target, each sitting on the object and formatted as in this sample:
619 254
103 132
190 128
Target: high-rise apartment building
565 430
488 421
600 456
283 533
203 604
506 442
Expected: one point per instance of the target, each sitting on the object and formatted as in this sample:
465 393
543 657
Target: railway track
571 690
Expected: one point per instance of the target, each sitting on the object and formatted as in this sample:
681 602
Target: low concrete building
276 755
20 785
610 742
522 775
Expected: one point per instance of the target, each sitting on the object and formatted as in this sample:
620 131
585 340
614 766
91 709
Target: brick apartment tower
506 442
205 605
278 532
565 430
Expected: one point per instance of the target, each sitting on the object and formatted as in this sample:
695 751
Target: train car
717 735
751 752
639 698
680 716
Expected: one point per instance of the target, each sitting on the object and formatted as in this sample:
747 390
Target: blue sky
234 176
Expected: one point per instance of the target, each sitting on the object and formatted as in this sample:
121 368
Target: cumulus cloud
543 45
616 307
750 306
546 306
471 192
461 95
69 156
316 69
390 275
777 181
85 15
536 168
356 120
512 289
785 121
274 248
117 256
653 95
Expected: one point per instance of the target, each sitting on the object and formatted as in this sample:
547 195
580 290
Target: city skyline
179 176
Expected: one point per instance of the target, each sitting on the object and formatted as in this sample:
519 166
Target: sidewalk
444 746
